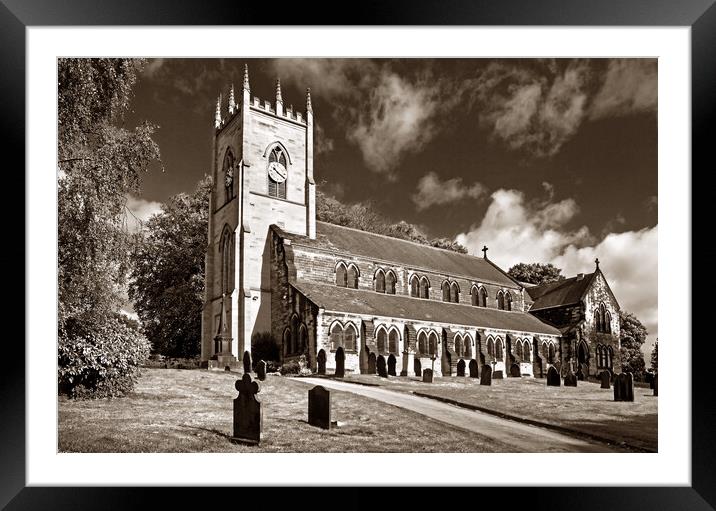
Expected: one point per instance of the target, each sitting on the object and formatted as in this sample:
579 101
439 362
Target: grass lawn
174 410
586 408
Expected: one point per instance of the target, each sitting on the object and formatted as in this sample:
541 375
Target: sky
542 160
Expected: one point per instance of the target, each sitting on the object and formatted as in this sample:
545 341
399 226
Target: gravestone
605 377
340 363
417 367
656 384
371 363
553 379
321 360
473 369
391 365
461 368
427 376
247 412
498 375
247 362
624 387
649 378
570 379
486 376
380 366
261 370
319 407
580 374
515 370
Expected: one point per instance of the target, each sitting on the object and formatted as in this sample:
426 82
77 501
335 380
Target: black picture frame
699 15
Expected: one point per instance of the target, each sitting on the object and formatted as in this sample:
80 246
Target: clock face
277 172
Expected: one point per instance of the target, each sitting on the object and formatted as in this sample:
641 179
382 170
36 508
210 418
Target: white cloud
432 191
152 67
630 86
516 231
139 211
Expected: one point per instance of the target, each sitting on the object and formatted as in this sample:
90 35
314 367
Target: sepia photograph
347 255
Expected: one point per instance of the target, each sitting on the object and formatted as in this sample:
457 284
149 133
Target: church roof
358 301
562 292
339 239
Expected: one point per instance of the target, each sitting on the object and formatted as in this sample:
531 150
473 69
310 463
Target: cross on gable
484 251
247 387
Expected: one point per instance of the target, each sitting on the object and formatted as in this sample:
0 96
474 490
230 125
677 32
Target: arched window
468 345
294 334
528 351
414 286
226 262
302 339
380 281
353 276
459 346
382 341
610 357
550 357
508 300
336 336
608 323
518 349
498 349
474 296
393 341
390 282
287 341
228 175
454 293
490 347
500 300
349 338
422 343
433 344
341 275
446 291
424 288
277 173
598 320
483 297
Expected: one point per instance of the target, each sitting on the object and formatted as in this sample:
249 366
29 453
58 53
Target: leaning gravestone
515 370
473 369
656 384
247 412
340 363
380 366
629 387
486 376
461 368
605 377
371 363
570 379
319 407
247 362
553 379
261 370
427 375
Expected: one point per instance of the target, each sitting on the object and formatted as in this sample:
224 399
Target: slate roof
358 301
345 240
563 292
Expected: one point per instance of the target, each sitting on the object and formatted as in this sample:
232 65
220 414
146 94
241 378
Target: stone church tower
263 175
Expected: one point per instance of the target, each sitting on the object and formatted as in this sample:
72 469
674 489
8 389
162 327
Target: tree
535 273
167 276
655 357
632 334
99 163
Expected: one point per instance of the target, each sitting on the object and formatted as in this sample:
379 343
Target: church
362 301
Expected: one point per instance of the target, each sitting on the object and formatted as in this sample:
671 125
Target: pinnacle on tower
246 77
232 101
217 115
279 99
309 107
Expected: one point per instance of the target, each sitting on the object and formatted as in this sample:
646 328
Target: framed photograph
423 248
